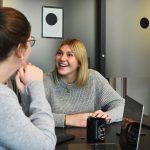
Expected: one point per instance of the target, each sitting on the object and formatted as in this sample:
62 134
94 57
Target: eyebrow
67 51
70 52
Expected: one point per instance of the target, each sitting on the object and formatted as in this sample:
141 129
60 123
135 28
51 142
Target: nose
63 57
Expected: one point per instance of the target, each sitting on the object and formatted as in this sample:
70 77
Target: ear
20 51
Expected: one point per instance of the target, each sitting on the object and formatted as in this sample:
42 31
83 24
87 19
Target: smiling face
67 64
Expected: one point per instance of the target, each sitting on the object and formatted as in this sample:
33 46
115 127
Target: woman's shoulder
48 76
5 91
95 75
48 79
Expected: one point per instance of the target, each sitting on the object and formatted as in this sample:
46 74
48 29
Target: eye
70 54
59 53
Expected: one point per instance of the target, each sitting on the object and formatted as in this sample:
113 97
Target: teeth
63 65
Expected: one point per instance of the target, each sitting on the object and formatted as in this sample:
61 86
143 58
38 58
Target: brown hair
14 29
80 52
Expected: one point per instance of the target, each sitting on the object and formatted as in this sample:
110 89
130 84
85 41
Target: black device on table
129 135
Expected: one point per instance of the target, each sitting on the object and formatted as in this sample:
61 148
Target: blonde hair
80 53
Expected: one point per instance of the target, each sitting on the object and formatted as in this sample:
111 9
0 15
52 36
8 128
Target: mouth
62 65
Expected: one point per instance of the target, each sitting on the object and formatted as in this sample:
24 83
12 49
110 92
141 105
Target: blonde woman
76 92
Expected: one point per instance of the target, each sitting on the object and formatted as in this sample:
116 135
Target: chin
62 72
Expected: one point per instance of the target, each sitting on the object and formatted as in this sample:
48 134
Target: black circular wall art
51 19
144 22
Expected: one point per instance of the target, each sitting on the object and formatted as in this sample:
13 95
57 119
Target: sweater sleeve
49 84
113 103
25 103
59 120
110 101
35 132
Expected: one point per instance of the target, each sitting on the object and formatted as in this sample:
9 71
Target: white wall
79 22
128 46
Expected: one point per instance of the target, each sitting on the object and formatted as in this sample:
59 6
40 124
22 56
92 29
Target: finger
17 76
18 82
98 112
108 117
21 71
89 114
105 116
108 121
29 63
101 115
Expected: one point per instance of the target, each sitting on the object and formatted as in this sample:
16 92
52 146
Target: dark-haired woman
17 131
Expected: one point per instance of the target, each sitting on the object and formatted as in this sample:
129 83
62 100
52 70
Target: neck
69 79
5 74
7 69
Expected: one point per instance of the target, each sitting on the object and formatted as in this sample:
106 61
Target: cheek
56 59
29 51
76 63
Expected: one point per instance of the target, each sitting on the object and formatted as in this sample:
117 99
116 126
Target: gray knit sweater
70 99
18 132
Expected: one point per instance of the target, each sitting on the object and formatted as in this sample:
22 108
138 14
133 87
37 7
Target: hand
19 83
27 74
78 120
101 114
126 122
